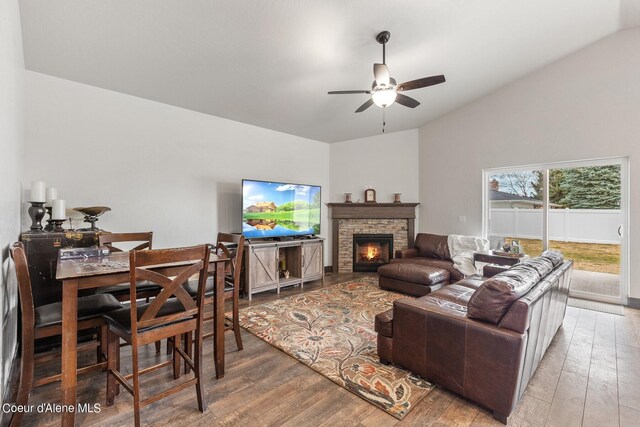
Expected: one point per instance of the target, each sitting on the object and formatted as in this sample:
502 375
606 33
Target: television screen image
277 209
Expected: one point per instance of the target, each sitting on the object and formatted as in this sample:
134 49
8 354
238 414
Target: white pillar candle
52 194
58 209
38 192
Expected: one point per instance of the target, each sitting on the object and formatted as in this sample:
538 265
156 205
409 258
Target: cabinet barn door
263 270
312 264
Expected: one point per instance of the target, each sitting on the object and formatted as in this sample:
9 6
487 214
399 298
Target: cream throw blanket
462 249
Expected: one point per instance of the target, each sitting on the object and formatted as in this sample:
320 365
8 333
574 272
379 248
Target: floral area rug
332 331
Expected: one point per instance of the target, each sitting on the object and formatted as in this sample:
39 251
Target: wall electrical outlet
462 218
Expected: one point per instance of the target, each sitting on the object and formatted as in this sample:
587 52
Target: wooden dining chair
232 246
46 321
172 313
144 240
144 289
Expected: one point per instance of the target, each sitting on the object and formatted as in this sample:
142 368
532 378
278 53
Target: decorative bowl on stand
91 215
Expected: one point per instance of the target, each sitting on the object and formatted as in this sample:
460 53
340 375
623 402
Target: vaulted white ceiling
270 63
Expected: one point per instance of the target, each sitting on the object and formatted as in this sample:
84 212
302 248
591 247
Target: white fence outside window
568 225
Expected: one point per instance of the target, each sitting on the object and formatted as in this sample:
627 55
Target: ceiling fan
384 90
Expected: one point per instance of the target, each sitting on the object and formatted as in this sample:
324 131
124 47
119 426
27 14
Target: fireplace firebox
370 251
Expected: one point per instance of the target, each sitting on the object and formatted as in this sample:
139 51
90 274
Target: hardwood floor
590 376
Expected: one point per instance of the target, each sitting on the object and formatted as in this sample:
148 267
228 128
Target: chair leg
188 349
136 383
99 346
116 345
158 344
26 379
236 320
213 344
113 358
103 343
197 363
169 346
176 358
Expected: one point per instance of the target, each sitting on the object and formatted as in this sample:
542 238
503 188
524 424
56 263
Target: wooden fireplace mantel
371 211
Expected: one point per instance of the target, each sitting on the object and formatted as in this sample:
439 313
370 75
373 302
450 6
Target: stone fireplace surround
369 218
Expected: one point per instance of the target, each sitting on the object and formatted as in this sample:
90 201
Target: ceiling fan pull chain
384 121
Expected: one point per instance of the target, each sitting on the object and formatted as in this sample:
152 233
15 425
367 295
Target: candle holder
57 225
347 198
396 198
49 226
36 212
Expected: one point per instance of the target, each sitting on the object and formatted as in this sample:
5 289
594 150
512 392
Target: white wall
159 167
387 162
11 140
584 106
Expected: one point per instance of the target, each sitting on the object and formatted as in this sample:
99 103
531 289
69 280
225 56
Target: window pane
515 211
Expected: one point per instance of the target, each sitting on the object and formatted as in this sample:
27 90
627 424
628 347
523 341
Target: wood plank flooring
590 376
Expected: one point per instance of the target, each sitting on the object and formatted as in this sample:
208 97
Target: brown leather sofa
482 338
422 269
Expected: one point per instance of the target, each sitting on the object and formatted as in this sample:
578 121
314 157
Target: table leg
69 348
218 320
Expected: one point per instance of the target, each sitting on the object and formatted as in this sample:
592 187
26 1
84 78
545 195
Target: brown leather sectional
422 269
482 338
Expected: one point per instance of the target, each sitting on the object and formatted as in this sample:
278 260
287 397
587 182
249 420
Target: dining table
113 269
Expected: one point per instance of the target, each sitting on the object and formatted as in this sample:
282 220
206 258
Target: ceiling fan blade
423 82
364 106
407 101
345 92
381 74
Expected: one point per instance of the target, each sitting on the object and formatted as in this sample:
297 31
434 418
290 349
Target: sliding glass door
579 208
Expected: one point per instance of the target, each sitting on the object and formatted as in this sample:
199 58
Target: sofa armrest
384 323
480 361
407 253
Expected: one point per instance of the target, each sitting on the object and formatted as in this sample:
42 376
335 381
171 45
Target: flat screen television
279 209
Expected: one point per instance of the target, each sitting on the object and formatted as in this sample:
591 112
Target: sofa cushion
455 293
492 300
414 273
556 257
432 246
542 265
473 282
443 264
408 288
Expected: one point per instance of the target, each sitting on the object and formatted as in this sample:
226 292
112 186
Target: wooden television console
303 258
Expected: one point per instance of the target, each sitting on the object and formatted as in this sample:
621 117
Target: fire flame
372 252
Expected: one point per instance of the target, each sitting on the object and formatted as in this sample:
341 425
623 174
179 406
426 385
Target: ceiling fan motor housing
383 37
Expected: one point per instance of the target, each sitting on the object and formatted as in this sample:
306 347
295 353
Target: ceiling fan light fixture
384 97
385 90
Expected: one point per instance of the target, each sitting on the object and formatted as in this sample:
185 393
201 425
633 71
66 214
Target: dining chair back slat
108 239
